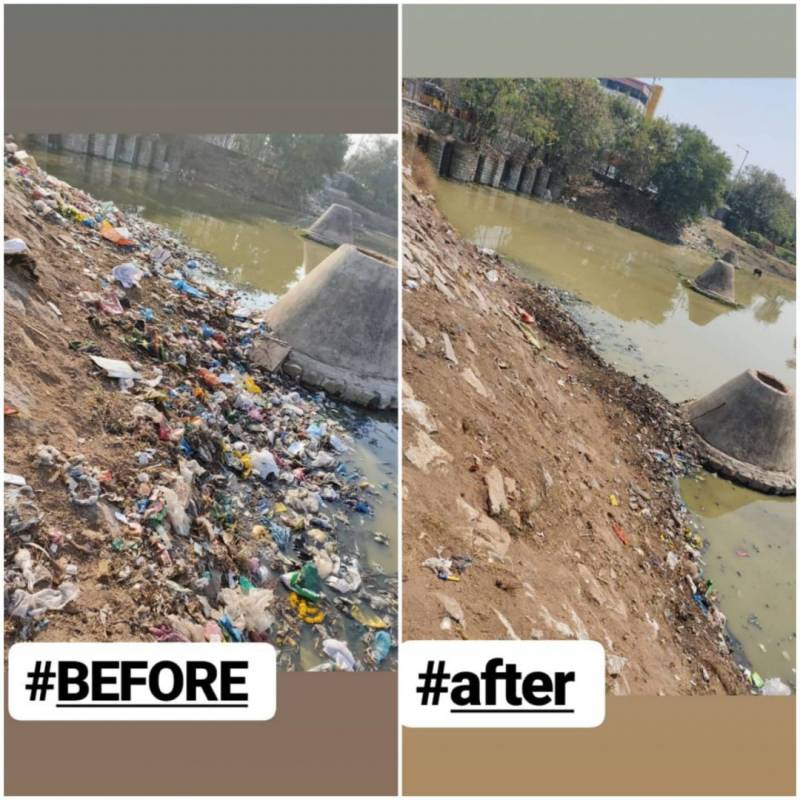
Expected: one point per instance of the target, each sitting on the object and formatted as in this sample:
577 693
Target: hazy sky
756 113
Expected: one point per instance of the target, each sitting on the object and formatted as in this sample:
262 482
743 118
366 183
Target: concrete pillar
435 153
145 152
464 163
99 144
513 176
540 184
498 173
556 185
489 167
76 142
111 146
527 181
127 149
159 155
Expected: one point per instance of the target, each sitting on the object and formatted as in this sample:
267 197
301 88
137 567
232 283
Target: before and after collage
397 404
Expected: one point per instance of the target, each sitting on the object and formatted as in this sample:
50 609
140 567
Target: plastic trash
340 653
127 274
36 604
14 247
304 582
83 488
249 611
115 368
381 645
348 579
21 512
367 617
264 464
775 687
187 288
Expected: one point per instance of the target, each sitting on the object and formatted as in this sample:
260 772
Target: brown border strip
334 733
201 68
646 746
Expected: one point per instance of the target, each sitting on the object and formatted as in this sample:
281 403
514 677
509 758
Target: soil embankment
173 503
540 481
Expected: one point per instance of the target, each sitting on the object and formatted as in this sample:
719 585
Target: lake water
646 322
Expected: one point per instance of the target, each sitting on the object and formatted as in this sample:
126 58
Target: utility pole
739 171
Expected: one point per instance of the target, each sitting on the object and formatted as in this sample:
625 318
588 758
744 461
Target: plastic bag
249 611
128 274
264 464
25 604
340 653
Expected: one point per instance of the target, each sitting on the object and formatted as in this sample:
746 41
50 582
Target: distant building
644 95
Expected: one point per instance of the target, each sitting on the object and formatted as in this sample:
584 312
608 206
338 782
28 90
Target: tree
579 122
483 95
374 167
641 148
302 160
760 203
692 176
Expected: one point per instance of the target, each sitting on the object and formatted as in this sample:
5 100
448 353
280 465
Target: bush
759 241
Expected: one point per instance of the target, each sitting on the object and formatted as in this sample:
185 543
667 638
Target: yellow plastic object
251 385
367 616
613 500
308 613
247 463
258 532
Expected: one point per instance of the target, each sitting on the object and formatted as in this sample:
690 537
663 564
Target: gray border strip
201 68
697 41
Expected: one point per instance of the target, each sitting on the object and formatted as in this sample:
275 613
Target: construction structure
340 322
746 429
717 282
334 227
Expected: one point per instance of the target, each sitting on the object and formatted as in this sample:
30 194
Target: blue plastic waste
381 646
187 288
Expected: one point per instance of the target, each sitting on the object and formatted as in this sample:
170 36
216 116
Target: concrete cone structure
717 282
334 227
341 322
746 428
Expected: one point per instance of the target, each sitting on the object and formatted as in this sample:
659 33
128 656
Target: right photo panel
599 401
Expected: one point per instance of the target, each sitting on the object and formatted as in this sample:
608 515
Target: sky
363 140
756 113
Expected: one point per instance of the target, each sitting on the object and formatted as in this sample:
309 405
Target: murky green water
258 243
749 537
649 324
261 249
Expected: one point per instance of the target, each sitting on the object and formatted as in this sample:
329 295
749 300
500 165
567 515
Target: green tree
640 149
579 123
760 203
253 145
302 160
374 167
692 176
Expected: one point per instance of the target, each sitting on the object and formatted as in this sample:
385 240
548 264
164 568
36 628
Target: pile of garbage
239 485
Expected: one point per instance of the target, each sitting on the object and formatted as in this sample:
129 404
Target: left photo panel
200 411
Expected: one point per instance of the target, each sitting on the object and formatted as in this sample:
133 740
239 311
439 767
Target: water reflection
635 288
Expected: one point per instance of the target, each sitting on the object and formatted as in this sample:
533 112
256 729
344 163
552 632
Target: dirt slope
556 433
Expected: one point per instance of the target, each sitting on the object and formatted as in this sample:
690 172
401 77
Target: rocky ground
169 506
538 488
